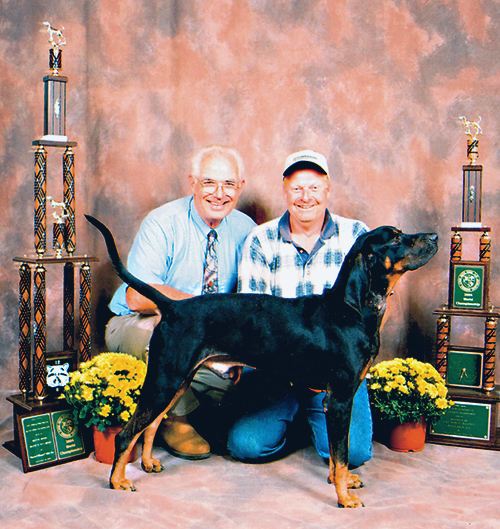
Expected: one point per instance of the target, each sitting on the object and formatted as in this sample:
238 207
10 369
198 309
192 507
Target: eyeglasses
210 186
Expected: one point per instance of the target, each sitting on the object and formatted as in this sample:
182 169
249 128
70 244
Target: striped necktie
210 269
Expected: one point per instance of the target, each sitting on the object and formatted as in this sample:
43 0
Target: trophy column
38 411
469 372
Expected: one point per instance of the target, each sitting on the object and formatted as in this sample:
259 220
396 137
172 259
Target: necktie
210 269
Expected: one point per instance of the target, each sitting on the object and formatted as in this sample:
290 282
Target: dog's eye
396 240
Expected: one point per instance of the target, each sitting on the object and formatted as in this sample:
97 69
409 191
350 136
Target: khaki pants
130 334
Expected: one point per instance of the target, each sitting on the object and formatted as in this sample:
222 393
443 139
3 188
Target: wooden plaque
45 434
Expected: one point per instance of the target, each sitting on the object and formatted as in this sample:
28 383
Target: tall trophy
469 370
44 431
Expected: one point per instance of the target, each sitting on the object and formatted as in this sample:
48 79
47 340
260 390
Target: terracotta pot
104 445
408 437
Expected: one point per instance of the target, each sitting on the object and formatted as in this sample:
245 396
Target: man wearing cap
298 254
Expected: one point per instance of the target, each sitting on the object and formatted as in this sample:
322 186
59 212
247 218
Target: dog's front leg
337 422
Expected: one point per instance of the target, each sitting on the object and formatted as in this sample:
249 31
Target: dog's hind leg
150 464
143 419
118 480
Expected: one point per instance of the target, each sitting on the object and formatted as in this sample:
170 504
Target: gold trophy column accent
490 340
69 307
40 334
85 313
485 247
25 328
40 200
456 247
69 199
443 340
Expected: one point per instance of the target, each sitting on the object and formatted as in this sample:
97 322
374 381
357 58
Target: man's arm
139 303
254 273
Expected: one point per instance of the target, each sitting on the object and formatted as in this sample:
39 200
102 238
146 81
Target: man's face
306 193
216 189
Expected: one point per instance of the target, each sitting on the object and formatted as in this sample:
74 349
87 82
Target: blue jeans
263 433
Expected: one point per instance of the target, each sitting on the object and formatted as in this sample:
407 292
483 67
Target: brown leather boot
181 440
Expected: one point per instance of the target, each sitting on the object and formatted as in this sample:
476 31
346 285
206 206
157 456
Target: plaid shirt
272 264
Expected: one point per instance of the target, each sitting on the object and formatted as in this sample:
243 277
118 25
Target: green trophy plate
468 282
464 368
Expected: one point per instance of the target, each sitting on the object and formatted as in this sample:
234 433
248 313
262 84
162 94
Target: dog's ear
358 284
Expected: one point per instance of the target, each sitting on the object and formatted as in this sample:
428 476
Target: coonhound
324 342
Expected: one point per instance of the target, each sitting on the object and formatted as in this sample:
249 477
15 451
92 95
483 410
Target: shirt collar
200 223
329 229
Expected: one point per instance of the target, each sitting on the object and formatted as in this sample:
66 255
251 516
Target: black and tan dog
325 342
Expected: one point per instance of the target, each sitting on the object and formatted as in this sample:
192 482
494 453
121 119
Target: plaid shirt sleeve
254 274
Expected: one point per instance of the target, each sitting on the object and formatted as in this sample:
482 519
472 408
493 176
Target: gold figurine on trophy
472 142
59 227
55 52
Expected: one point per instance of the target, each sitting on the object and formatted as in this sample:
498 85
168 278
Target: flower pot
104 445
408 437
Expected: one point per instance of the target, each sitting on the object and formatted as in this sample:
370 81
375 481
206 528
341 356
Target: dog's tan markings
353 481
395 275
149 463
365 371
342 478
117 479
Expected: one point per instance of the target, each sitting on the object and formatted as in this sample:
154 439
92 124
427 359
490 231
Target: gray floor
440 487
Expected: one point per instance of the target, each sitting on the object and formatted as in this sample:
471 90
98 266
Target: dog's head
380 257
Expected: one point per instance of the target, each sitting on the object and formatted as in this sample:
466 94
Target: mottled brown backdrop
376 86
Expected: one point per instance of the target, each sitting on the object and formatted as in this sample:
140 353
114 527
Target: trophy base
54 137
471 225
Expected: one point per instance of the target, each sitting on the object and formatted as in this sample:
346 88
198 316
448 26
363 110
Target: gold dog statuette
59 227
473 130
56 41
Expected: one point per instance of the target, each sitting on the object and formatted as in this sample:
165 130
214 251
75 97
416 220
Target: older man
185 248
298 254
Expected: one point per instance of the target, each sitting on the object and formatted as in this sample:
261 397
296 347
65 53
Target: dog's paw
123 484
153 467
350 501
353 482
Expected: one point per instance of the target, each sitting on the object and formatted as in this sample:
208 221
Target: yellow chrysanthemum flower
396 384
105 390
105 410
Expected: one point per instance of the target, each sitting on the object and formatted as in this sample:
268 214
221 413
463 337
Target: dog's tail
141 287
